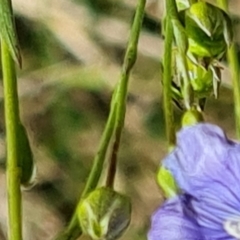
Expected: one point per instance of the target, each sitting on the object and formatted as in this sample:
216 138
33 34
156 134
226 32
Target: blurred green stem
115 123
234 66
12 123
73 230
171 11
122 89
171 8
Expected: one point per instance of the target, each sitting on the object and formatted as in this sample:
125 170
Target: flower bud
192 117
167 183
209 30
104 214
202 82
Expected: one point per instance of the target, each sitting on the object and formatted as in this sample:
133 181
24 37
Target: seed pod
104 214
192 117
26 162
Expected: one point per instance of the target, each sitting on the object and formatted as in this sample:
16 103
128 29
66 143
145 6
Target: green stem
167 78
12 123
233 61
115 121
73 230
234 66
121 95
171 8
167 74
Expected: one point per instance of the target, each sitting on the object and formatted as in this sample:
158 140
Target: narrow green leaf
227 29
8 30
26 159
180 35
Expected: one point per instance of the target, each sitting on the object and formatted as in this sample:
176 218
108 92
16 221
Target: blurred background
72 53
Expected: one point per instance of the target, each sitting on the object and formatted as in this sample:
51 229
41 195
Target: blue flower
206 166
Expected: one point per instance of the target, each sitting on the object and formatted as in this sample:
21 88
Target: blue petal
173 221
206 166
199 155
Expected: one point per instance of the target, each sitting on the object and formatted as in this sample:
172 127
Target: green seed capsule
192 117
104 214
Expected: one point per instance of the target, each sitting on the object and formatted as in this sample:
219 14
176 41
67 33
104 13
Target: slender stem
121 97
115 122
167 74
73 230
234 66
171 8
12 123
113 163
167 78
100 157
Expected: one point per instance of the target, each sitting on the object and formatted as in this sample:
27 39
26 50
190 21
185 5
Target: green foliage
9 54
7 30
203 32
208 29
68 103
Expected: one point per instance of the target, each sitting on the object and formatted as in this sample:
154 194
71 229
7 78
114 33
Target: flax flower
206 167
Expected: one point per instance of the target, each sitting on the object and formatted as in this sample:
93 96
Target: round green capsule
192 117
104 214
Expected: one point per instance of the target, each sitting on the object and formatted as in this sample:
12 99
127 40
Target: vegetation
72 59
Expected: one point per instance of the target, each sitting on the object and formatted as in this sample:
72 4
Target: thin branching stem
12 123
121 94
234 66
171 11
115 124
73 230
167 78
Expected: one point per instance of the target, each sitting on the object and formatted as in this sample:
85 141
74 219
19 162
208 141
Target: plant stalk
114 123
12 121
171 11
234 66
121 94
73 230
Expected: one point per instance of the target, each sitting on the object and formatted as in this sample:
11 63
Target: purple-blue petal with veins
206 166
200 156
174 221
